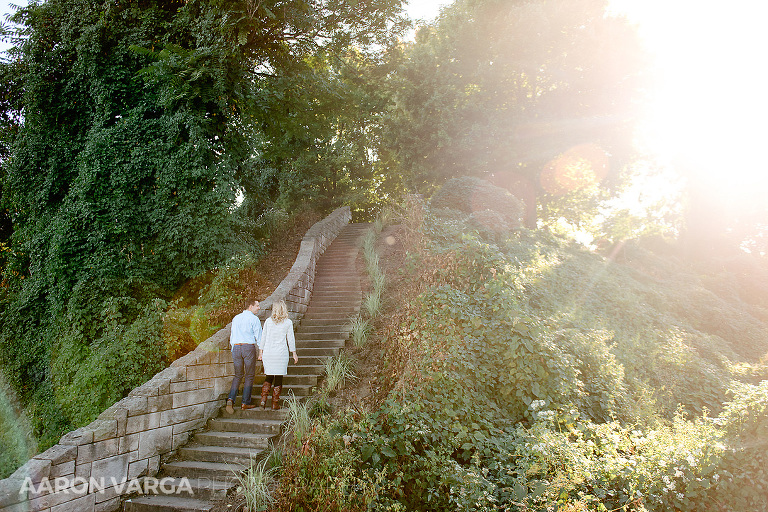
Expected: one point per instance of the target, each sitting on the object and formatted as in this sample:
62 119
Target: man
244 339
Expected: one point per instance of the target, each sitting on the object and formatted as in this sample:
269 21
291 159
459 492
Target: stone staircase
212 458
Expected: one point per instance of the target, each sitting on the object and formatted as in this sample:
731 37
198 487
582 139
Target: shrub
469 194
89 377
489 223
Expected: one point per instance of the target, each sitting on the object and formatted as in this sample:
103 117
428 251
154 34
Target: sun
708 109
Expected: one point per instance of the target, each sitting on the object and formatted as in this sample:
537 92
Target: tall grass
255 483
372 304
361 329
299 422
338 370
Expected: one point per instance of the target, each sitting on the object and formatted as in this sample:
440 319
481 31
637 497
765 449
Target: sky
416 9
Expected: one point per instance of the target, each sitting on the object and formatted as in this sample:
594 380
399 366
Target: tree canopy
498 89
130 130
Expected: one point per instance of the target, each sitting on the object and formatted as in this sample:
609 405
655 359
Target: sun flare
708 109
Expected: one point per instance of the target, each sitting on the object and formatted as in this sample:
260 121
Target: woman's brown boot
264 394
276 397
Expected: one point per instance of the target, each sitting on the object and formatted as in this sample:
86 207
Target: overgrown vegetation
148 150
531 373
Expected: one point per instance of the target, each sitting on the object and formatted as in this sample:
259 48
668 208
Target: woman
276 340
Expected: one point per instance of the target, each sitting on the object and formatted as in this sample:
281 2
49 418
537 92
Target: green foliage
17 444
152 136
498 90
534 375
475 196
127 351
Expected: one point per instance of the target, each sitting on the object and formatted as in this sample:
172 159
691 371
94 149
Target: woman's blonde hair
279 311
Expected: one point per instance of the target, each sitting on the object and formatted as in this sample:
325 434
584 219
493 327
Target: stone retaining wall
126 442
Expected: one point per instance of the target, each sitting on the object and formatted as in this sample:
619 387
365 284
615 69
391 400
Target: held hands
261 354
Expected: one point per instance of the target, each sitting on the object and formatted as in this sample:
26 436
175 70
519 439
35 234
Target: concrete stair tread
213 434
234 450
214 453
258 413
205 483
202 488
332 332
248 421
243 439
213 466
157 503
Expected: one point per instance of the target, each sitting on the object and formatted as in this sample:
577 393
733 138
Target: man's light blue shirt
246 328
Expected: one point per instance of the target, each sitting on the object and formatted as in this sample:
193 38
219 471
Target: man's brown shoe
230 408
247 406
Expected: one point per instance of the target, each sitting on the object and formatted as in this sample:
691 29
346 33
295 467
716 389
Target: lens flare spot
580 167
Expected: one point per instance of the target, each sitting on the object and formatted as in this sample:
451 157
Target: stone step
335 282
167 504
306 369
319 289
329 316
324 290
250 440
290 381
318 352
219 471
339 264
197 488
337 299
204 489
337 270
339 310
308 324
321 336
324 279
215 453
342 298
308 360
338 256
320 343
335 279
309 348
256 414
243 423
339 329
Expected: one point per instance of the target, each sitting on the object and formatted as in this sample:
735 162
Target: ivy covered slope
140 141
524 372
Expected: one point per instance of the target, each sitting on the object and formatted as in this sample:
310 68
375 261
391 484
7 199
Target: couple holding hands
273 344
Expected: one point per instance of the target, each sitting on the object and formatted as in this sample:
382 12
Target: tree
499 89
123 178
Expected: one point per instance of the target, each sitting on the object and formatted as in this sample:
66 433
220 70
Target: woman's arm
292 342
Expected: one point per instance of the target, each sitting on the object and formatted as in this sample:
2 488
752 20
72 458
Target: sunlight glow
709 109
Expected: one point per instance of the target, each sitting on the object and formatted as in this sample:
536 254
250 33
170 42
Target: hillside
518 371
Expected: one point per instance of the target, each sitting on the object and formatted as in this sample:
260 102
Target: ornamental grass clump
337 370
360 331
255 485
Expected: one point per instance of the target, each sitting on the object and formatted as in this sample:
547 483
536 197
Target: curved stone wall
92 466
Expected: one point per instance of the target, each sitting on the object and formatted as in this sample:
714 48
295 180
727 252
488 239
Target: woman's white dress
277 341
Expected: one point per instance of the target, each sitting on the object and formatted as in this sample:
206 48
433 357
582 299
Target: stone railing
92 466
